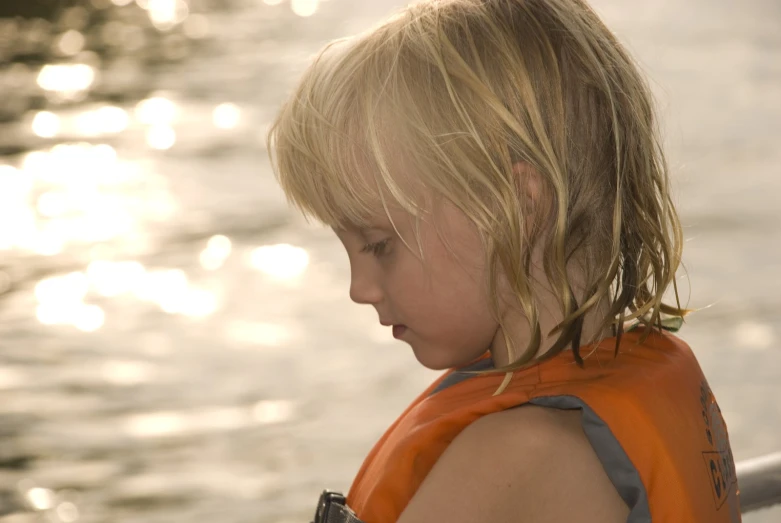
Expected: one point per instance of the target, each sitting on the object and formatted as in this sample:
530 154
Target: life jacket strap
332 508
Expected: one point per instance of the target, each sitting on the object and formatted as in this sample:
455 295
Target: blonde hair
462 90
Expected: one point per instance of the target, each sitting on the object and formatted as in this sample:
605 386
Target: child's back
494 173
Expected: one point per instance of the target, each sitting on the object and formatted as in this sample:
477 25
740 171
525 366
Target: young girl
493 170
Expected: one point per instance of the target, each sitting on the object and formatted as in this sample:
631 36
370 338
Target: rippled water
175 345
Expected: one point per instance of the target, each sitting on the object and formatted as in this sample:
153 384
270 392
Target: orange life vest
648 412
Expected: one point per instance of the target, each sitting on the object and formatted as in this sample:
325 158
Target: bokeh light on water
176 345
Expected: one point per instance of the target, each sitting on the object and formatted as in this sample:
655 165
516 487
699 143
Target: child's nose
364 289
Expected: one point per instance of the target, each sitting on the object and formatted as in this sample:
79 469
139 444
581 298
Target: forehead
391 196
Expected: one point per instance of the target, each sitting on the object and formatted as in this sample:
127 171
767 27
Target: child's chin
434 358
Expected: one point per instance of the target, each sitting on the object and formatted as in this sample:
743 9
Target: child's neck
520 333
550 315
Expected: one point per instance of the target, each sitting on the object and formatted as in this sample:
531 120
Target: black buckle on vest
332 508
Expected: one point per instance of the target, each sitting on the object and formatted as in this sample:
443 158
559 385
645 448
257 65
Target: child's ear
536 202
529 183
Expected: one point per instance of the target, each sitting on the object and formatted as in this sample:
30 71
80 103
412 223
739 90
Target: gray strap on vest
463 374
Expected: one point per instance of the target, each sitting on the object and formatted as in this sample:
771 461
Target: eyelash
377 248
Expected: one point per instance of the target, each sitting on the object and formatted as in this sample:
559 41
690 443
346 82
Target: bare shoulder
525 464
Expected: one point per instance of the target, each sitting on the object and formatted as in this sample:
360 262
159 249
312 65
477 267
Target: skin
445 310
539 466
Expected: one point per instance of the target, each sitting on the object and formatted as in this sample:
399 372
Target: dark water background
175 345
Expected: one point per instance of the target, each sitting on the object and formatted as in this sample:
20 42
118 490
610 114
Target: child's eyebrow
349 227
354 227
351 230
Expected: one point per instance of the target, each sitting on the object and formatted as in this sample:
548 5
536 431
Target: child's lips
399 330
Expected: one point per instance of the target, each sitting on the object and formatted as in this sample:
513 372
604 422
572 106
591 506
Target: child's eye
377 248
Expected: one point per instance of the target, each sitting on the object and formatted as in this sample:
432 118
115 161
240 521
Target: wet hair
450 95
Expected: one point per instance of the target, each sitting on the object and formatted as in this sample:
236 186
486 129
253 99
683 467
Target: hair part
449 96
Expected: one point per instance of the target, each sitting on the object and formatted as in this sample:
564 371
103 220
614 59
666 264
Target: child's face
441 301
